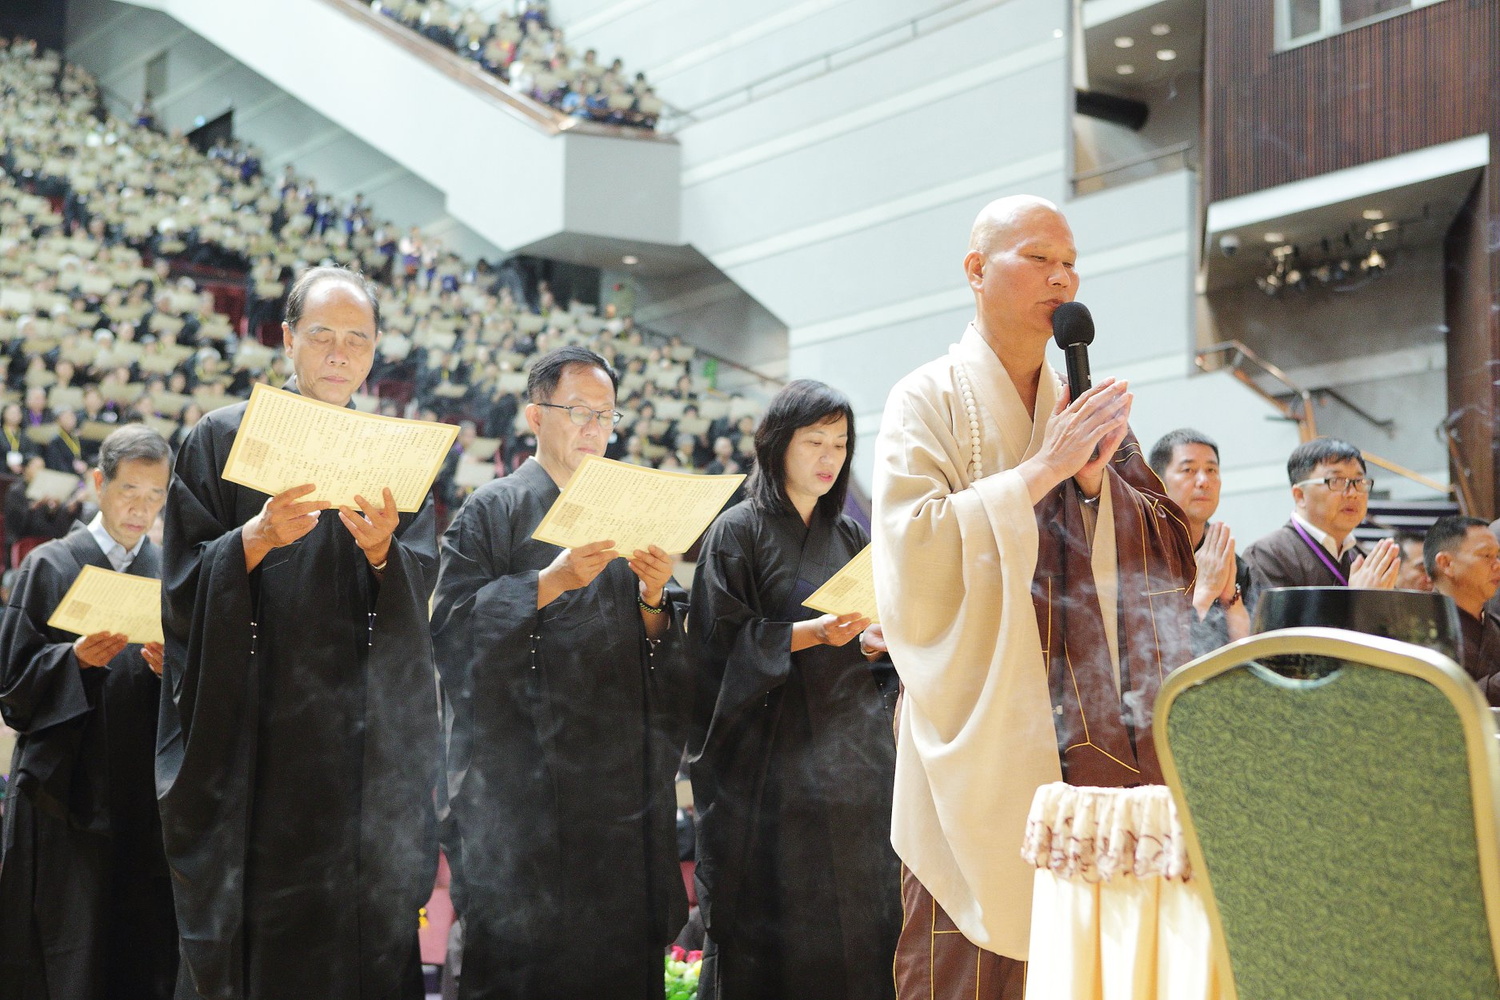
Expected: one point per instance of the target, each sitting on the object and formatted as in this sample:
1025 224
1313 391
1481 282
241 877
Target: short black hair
541 381
1405 536
1444 535
802 403
1168 443
132 443
296 299
1308 455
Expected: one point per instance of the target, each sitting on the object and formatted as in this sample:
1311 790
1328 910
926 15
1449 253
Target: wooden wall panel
1401 84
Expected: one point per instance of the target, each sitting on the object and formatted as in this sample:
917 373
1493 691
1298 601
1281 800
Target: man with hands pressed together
1031 579
1463 562
300 725
567 680
1223 599
1316 547
85 902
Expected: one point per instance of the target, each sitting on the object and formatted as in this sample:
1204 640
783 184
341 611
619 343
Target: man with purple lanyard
1316 548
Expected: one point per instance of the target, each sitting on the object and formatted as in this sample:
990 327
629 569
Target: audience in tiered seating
526 51
103 222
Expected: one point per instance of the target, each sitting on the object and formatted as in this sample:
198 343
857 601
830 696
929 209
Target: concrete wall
842 200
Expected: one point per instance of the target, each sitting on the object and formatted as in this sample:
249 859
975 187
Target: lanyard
1322 553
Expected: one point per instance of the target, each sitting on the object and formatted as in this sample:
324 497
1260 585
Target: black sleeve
741 654
41 683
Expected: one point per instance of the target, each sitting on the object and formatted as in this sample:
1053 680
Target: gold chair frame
1481 743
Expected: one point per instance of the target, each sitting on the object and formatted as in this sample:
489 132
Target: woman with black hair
793 754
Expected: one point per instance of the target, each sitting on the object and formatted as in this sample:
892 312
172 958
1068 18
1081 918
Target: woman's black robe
799 886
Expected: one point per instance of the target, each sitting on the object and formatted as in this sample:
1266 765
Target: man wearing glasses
560 671
1316 548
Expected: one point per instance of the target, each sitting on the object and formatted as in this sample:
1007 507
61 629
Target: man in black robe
563 670
1463 562
85 902
1316 547
1187 462
299 734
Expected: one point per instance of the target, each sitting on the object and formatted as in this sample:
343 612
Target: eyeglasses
581 415
1341 484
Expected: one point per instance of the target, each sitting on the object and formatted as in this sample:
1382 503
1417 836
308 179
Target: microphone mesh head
1072 324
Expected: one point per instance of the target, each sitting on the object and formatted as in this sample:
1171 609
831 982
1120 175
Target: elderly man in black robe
564 671
299 735
85 902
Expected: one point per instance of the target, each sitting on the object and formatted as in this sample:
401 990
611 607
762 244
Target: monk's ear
533 417
1298 496
974 269
1442 562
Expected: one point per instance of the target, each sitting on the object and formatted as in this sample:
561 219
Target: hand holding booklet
102 600
287 440
851 589
634 506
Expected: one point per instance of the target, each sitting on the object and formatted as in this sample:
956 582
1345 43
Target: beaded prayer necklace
976 460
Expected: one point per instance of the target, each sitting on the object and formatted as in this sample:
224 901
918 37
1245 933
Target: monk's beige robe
954 561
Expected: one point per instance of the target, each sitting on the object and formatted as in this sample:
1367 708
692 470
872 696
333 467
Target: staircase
1386 517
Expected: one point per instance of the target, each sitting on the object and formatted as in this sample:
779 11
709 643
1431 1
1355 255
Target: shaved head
1020 265
1003 219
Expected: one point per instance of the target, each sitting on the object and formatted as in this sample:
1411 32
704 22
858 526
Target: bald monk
1033 583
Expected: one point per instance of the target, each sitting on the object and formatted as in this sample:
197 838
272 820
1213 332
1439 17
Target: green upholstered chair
1344 828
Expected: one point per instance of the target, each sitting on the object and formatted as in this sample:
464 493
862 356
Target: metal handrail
1404 472
718 359
1388 425
1303 414
910 27
1448 431
1150 156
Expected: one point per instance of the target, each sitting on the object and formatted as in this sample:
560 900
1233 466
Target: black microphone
1073 330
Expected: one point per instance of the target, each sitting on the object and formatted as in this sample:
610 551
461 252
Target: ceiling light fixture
1125 70
630 259
1166 55
1343 262
1161 29
1124 42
